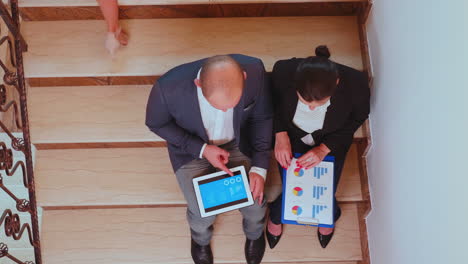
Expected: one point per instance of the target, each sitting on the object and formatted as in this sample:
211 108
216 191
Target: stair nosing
33 4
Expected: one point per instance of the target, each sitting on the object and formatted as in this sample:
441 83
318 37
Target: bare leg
110 11
116 37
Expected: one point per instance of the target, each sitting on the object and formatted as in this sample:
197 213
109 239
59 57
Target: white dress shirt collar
219 125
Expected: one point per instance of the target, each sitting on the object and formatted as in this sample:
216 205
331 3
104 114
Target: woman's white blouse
310 120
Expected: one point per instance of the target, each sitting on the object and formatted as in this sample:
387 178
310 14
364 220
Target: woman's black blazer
349 107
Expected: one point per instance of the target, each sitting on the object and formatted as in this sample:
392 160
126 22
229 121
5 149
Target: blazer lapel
334 111
196 113
291 102
238 111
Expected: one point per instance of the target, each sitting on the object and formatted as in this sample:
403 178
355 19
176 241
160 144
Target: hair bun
322 51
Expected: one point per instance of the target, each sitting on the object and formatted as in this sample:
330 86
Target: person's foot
273 233
201 254
325 230
325 238
325 234
121 36
115 40
254 250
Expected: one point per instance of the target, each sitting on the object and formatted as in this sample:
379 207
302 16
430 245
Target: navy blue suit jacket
173 113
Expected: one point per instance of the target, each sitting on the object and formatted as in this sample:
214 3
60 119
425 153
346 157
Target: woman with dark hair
319 105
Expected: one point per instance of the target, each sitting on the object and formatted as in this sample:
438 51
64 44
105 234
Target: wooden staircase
104 181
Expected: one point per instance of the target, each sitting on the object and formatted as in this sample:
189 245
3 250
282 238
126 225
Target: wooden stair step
157 45
137 176
57 10
90 114
161 235
50 3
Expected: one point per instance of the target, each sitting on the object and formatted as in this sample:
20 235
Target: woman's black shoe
325 239
272 239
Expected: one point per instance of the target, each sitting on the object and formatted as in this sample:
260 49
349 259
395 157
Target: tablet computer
219 192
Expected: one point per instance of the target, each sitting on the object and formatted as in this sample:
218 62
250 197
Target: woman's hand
283 152
313 157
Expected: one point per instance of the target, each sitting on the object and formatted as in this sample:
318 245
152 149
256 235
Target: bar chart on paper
308 194
317 209
319 172
319 191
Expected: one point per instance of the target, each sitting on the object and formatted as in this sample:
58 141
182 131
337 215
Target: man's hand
257 184
313 157
283 153
218 157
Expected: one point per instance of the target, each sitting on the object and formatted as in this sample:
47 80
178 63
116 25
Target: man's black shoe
201 254
254 250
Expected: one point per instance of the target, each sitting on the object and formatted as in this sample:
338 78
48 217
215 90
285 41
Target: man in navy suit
216 113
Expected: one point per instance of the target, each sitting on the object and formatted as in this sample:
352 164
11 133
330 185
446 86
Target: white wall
418 165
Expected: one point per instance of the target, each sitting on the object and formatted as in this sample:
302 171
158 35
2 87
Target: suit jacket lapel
196 114
238 111
333 111
291 104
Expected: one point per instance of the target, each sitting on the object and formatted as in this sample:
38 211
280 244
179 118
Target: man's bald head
222 81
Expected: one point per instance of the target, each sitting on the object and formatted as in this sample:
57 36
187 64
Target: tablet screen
222 191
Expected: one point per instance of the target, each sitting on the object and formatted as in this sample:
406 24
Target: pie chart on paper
297 210
299 172
298 191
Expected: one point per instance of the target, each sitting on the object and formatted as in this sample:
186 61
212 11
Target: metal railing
13 76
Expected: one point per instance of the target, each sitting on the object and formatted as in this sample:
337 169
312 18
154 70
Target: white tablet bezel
196 186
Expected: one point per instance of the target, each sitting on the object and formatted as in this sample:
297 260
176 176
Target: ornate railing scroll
11 228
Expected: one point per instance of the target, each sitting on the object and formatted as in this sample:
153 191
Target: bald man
216 114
